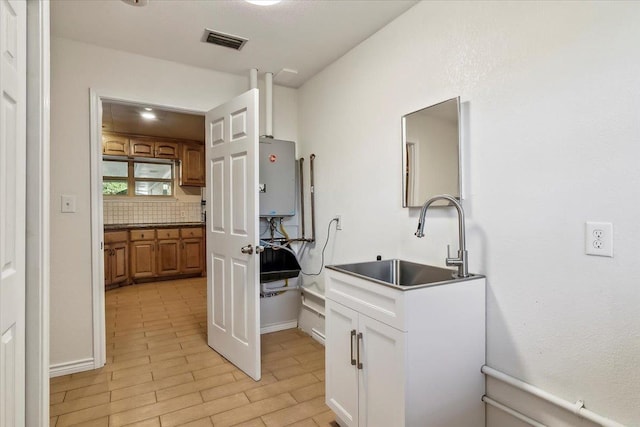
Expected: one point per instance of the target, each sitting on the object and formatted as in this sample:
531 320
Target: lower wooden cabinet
143 254
143 259
168 257
116 258
192 255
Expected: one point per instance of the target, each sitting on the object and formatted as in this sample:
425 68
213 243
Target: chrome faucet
461 260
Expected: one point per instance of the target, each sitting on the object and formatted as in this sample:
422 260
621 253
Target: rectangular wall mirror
431 153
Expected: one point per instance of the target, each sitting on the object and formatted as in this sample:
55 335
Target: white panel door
233 306
12 210
341 362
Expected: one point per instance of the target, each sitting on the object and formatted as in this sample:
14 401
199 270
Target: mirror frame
404 155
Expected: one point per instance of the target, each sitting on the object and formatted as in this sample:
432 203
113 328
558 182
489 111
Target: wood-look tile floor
160 371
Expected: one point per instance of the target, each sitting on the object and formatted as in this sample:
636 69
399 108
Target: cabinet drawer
168 233
191 232
142 235
115 236
376 301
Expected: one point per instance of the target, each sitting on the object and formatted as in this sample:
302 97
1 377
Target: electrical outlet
338 219
598 239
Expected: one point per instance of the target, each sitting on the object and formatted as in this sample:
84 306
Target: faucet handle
451 261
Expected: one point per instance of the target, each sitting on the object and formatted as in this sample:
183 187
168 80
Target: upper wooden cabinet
141 147
191 153
149 148
166 150
192 165
115 145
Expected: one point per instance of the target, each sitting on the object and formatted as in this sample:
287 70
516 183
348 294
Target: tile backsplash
122 212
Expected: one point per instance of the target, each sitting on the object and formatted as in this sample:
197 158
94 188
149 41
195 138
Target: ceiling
126 118
300 35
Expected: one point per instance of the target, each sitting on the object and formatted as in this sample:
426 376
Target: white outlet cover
598 239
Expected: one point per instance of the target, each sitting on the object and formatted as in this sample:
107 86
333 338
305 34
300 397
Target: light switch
68 204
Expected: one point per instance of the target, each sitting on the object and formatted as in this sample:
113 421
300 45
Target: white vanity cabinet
405 357
353 385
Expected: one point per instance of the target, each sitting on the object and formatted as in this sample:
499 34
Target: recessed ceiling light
148 109
263 2
136 2
147 115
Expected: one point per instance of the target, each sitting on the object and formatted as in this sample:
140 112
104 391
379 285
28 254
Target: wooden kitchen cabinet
143 253
116 258
192 170
168 252
147 253
115 145
166 150
142 147
192 250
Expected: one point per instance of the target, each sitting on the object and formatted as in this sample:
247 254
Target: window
137 178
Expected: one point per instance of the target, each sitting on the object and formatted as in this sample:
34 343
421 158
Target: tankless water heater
277 181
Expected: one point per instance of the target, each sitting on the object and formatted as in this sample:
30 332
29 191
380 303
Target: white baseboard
275 327
71 367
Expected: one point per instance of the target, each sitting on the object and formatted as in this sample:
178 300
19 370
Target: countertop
109 227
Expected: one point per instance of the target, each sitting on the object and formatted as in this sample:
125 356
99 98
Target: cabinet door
143 259
119 263
168 257
166 150
341 362
115 145
141 148
192 165
381 382
192 255
107 265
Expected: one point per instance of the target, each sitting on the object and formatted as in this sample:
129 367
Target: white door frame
37 216
97 221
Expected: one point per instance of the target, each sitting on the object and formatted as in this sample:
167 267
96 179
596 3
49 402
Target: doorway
143 188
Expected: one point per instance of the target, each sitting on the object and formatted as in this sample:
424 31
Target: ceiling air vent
222 39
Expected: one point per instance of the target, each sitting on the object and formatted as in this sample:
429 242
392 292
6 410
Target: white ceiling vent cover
223 39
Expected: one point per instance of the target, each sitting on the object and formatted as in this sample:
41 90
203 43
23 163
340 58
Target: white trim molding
97 259
275 327
72 367
37 217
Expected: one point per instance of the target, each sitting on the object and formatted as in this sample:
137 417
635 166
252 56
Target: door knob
259 249
247 249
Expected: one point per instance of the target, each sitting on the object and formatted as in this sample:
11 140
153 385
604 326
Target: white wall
76 67
551 92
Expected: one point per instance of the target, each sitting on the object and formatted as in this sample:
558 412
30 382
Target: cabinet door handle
360 339
353 335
